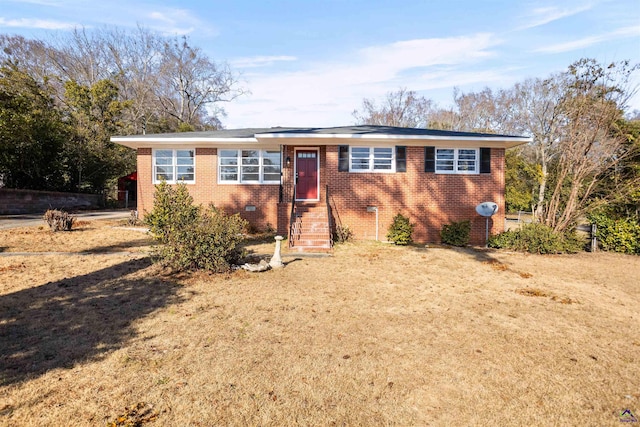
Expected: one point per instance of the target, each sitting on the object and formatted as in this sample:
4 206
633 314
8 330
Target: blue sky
310 63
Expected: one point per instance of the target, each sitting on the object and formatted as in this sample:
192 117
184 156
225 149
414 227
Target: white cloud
259 61
633 31
545 15
326 93
44 24
176 22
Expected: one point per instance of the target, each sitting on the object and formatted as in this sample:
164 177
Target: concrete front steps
311 229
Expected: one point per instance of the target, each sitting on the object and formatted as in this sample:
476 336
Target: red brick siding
230 197
430 200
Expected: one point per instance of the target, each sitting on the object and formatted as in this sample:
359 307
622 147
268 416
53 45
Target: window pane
184 154
185 169
163 172
164 153
382 153
444 165
185 177
229 176
228 153
382 158
466 165
229 173
228 160
271 158
360 164
185 160
272 177
467 154
250 157
360 152
164 160
382 164
250 173
444 154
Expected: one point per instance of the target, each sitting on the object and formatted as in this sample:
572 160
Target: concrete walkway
27 220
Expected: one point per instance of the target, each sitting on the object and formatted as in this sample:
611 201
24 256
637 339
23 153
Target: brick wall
430 200
15 201
230 197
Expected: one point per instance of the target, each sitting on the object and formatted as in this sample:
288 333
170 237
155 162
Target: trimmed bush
191 237
456 233
617 235
400 230
536 238
58 220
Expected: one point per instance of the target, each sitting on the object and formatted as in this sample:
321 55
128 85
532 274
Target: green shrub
343 234
456 233
400 230
58 220
193 238
536 238
173 209
617 235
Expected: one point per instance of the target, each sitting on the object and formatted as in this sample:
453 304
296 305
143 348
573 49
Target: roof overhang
270 140
497 141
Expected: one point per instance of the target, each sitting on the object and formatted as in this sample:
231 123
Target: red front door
307 174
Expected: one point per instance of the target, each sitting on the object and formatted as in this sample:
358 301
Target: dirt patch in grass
373 335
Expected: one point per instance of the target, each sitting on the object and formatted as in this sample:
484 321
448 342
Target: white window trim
455 170
174 165
371 160
239 181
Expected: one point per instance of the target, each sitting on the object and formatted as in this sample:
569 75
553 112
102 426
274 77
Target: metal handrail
292 217
326 193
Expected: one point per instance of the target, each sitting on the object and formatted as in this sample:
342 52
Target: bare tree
535 111
403 108
483 111
171 84
592 102
189 82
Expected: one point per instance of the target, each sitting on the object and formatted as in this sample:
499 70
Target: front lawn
373 335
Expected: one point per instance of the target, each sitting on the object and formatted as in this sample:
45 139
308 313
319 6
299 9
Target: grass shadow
119 247
62 323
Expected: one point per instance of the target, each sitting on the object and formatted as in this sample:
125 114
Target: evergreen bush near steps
401 230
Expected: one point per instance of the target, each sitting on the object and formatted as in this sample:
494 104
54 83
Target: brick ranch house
307 181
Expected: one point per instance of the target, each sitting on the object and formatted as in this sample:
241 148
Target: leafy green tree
521 180
32 134
95 113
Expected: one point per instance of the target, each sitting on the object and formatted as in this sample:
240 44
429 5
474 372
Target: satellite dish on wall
487 210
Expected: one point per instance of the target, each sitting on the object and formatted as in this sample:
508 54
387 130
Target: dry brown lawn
373 335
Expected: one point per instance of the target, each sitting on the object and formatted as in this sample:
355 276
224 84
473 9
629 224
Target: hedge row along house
305 182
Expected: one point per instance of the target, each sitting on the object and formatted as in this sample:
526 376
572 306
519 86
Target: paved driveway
26 220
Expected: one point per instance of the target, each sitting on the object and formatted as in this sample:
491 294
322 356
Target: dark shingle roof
379 130
340 130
